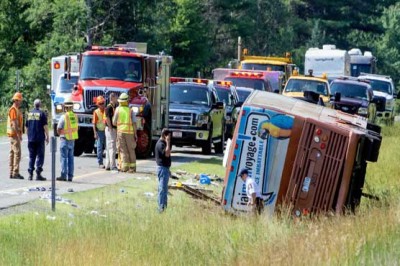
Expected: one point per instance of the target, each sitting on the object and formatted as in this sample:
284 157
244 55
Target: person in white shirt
255 201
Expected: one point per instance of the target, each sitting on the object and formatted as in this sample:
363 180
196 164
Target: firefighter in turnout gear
125 120
14 132
99 127
67 128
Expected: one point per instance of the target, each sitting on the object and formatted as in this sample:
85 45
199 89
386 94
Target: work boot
17 176
60 178
132 170
39 177
30 177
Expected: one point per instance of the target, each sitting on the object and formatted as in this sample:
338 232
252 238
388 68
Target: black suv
196 115
354 96
227 93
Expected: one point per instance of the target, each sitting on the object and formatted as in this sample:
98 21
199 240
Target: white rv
329 60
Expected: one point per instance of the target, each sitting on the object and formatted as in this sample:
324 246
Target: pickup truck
196 115
355 96
383 86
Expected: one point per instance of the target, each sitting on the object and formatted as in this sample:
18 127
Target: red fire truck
122 68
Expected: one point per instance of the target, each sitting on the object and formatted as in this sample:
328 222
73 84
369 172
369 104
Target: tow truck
298 86
122 68
282 64
196 115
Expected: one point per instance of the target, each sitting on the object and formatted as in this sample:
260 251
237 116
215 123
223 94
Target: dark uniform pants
36 153
259 205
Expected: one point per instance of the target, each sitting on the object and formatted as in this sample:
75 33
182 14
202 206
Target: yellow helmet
123 97
17 96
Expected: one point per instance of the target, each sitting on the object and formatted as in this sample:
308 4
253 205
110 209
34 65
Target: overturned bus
309 157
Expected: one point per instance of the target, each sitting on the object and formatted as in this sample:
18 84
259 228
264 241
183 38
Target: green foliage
388 47
200 35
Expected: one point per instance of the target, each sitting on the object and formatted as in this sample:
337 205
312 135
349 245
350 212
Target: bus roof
304 109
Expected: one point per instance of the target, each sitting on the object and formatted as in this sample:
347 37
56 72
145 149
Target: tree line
199 34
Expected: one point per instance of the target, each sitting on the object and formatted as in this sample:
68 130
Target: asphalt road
87 174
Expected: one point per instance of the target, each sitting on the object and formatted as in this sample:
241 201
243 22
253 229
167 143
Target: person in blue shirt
38 134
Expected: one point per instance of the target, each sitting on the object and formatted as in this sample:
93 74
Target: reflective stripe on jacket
71 126
11 132
100 125
124 123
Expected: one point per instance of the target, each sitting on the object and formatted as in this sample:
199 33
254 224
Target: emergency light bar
353 78
106 48
223 83
246 74
195 80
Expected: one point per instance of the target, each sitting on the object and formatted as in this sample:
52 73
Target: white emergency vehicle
61 87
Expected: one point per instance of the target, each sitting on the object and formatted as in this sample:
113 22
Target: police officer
67 128
14 132
38 133
98 129
125 120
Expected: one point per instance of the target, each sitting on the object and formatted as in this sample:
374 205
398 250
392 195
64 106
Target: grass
119 225
3 128
213 167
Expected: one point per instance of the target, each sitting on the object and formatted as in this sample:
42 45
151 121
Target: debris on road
50 218
173 176
149 194
204 179
196 192
181 172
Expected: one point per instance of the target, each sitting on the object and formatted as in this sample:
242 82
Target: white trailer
329 60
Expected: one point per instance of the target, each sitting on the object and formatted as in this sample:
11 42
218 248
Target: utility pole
18 72
88 24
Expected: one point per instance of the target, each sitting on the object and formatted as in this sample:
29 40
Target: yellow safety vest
10 131
71 126
124 123
100 125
